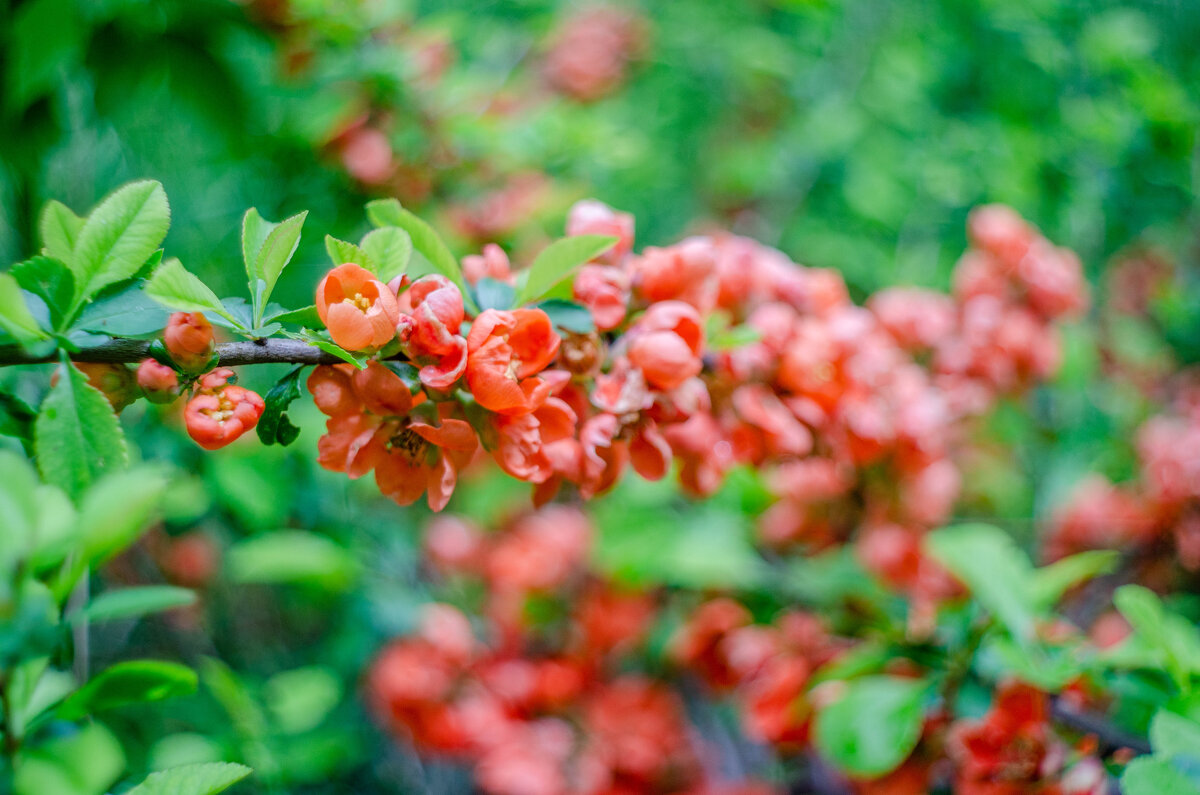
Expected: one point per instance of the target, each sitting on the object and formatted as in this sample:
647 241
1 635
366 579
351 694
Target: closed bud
189 339
159 383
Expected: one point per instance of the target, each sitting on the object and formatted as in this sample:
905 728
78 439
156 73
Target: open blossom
188 337
667 344
604 290
360 311
491 264
220 413
430 333
506 349
686 271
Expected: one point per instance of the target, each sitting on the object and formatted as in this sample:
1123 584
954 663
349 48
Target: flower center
409 443
358 301
222 412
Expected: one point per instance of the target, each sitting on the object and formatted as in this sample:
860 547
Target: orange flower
430 333
667 344
505 350
158 382
217 417
415 458
358 309
189 339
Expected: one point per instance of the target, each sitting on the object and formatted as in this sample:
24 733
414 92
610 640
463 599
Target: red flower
216 417
667 344
159 383
430 333
359 310
505 351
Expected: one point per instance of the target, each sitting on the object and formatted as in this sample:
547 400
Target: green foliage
129 683
198 779
291 556
135 602
274 426
425 241
557 262
77 436
873 725
175 288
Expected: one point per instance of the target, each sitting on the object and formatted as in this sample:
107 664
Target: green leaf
1051 582
494 294
390 248
119 236
19 507
307 317
77 436
176 288
15 317
997 573
50 280
312 338
388 212
1172 734
301 698
254 234
129 682
117 509
558 261
136 602
291 556
568 315
86 762
45 42
340 253
873 727
59 228
1146 776
128 313
274 426
206 778
273 256
16 418
733 337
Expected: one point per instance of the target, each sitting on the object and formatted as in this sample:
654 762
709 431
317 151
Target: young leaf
254 234
390 248
388 212
15 317
1051 582
135 602
873 727
558 261
76 435
274 255
568 315
998 574
50 280
129 313
175 288
59 228
291 556
119 236
274 426
494 294
356 359
306 317
129 683
205 778
340 252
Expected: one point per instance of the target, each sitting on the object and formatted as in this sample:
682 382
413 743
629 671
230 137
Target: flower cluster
538 701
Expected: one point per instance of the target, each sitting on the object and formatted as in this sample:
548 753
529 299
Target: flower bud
189 340
159 383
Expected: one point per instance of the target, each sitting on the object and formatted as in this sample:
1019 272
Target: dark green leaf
15 317
129 682
306 317
358 360
274 426
873 726
77 436
16 417
494 294
568 315
129 313
558 261
50 280
407 373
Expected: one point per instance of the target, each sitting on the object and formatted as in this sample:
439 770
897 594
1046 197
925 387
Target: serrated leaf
997 573
291 556
135 602
50 280
129 313
340 253
274 255
494 294
558 261
389 212
176 288
119 236
873 726
76 435
254 234
205 778
16 417
130 682
59 228
568 315
390 248
274 426
1051 582
15 317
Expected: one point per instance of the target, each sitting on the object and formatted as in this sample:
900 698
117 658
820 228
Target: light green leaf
254 234
19 507
356 359
86 762
389 212
118 509
59 228
76 435
308 317
1051 582
291 556
129 682
390 248
49 279
1146 776
176 288
274 255
301 698
207 778
558 261
119 236
15 317
1172 734
997 573
135 602
340 253
873 727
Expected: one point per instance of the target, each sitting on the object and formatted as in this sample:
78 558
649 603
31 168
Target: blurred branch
1110 737
123 351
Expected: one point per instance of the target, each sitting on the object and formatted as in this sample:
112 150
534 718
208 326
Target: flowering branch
125 351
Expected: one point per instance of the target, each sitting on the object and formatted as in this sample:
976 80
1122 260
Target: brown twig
125 351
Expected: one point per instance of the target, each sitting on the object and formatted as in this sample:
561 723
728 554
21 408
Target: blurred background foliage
853 135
